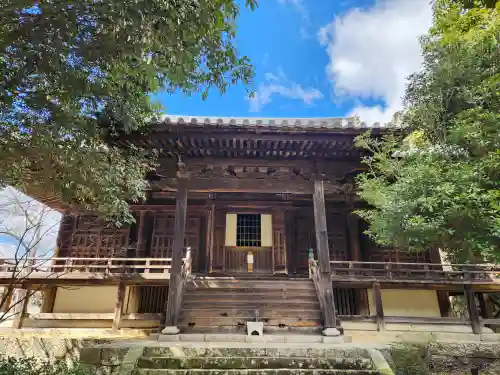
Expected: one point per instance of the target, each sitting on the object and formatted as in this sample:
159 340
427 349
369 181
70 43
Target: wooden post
379 309
442 296
120 297
18 319
355 252
140 248
323 253
321 228
49 297
210 237
472 308
485 305
353 226
178 244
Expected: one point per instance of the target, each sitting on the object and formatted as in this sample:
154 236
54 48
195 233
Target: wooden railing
185 274
415 272
63 270
105 265
314 275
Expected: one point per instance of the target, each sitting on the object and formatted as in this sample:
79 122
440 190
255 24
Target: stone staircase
222 304
254 361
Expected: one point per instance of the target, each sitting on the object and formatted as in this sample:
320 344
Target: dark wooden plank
472 308
117 316
177 253
379 309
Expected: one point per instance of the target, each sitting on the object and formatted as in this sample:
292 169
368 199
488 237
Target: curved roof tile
303 123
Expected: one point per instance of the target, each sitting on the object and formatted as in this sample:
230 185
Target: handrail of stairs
185 275
314 275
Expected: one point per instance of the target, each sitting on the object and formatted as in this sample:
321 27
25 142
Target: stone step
241 329
229 349
249 313
285 371
231 363
216 321
252 283
232 338
243 300
276 291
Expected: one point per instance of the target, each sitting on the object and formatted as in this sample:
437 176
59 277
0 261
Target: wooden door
337 236
163 236
305 239
217 259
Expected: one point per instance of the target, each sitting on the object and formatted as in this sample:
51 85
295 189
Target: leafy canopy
436 183
73 73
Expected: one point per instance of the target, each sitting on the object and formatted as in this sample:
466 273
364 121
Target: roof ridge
301 122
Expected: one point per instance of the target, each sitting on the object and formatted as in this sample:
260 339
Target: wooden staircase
224 304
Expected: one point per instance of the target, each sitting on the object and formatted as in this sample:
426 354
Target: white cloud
278 84
24 218
373 51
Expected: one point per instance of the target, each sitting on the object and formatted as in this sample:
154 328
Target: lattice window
92 239
248 230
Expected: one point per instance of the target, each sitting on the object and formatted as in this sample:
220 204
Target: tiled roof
303 123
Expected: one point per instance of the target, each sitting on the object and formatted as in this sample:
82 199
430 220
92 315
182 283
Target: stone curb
130 360
379 362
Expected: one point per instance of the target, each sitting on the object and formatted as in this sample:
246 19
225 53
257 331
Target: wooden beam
340 136
323 254
379 309
472 308
233 162
177 247
268 185
120 297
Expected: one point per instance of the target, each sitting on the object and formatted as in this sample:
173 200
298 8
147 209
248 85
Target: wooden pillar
379 309
24 297
442 296
485 305
177 246
49 298
355 253
472 308
210 237
323 253
120 297
353 227
140 248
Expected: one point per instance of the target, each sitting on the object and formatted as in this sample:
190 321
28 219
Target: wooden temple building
248 219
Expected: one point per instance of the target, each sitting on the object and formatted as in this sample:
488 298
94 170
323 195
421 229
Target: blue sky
321 58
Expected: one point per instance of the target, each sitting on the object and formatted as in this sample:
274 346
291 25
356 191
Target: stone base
255 327
170 330
331 332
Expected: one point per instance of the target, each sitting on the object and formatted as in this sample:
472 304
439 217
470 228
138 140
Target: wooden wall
293 236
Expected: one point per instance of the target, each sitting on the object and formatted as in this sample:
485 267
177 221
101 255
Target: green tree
74 73
436 182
